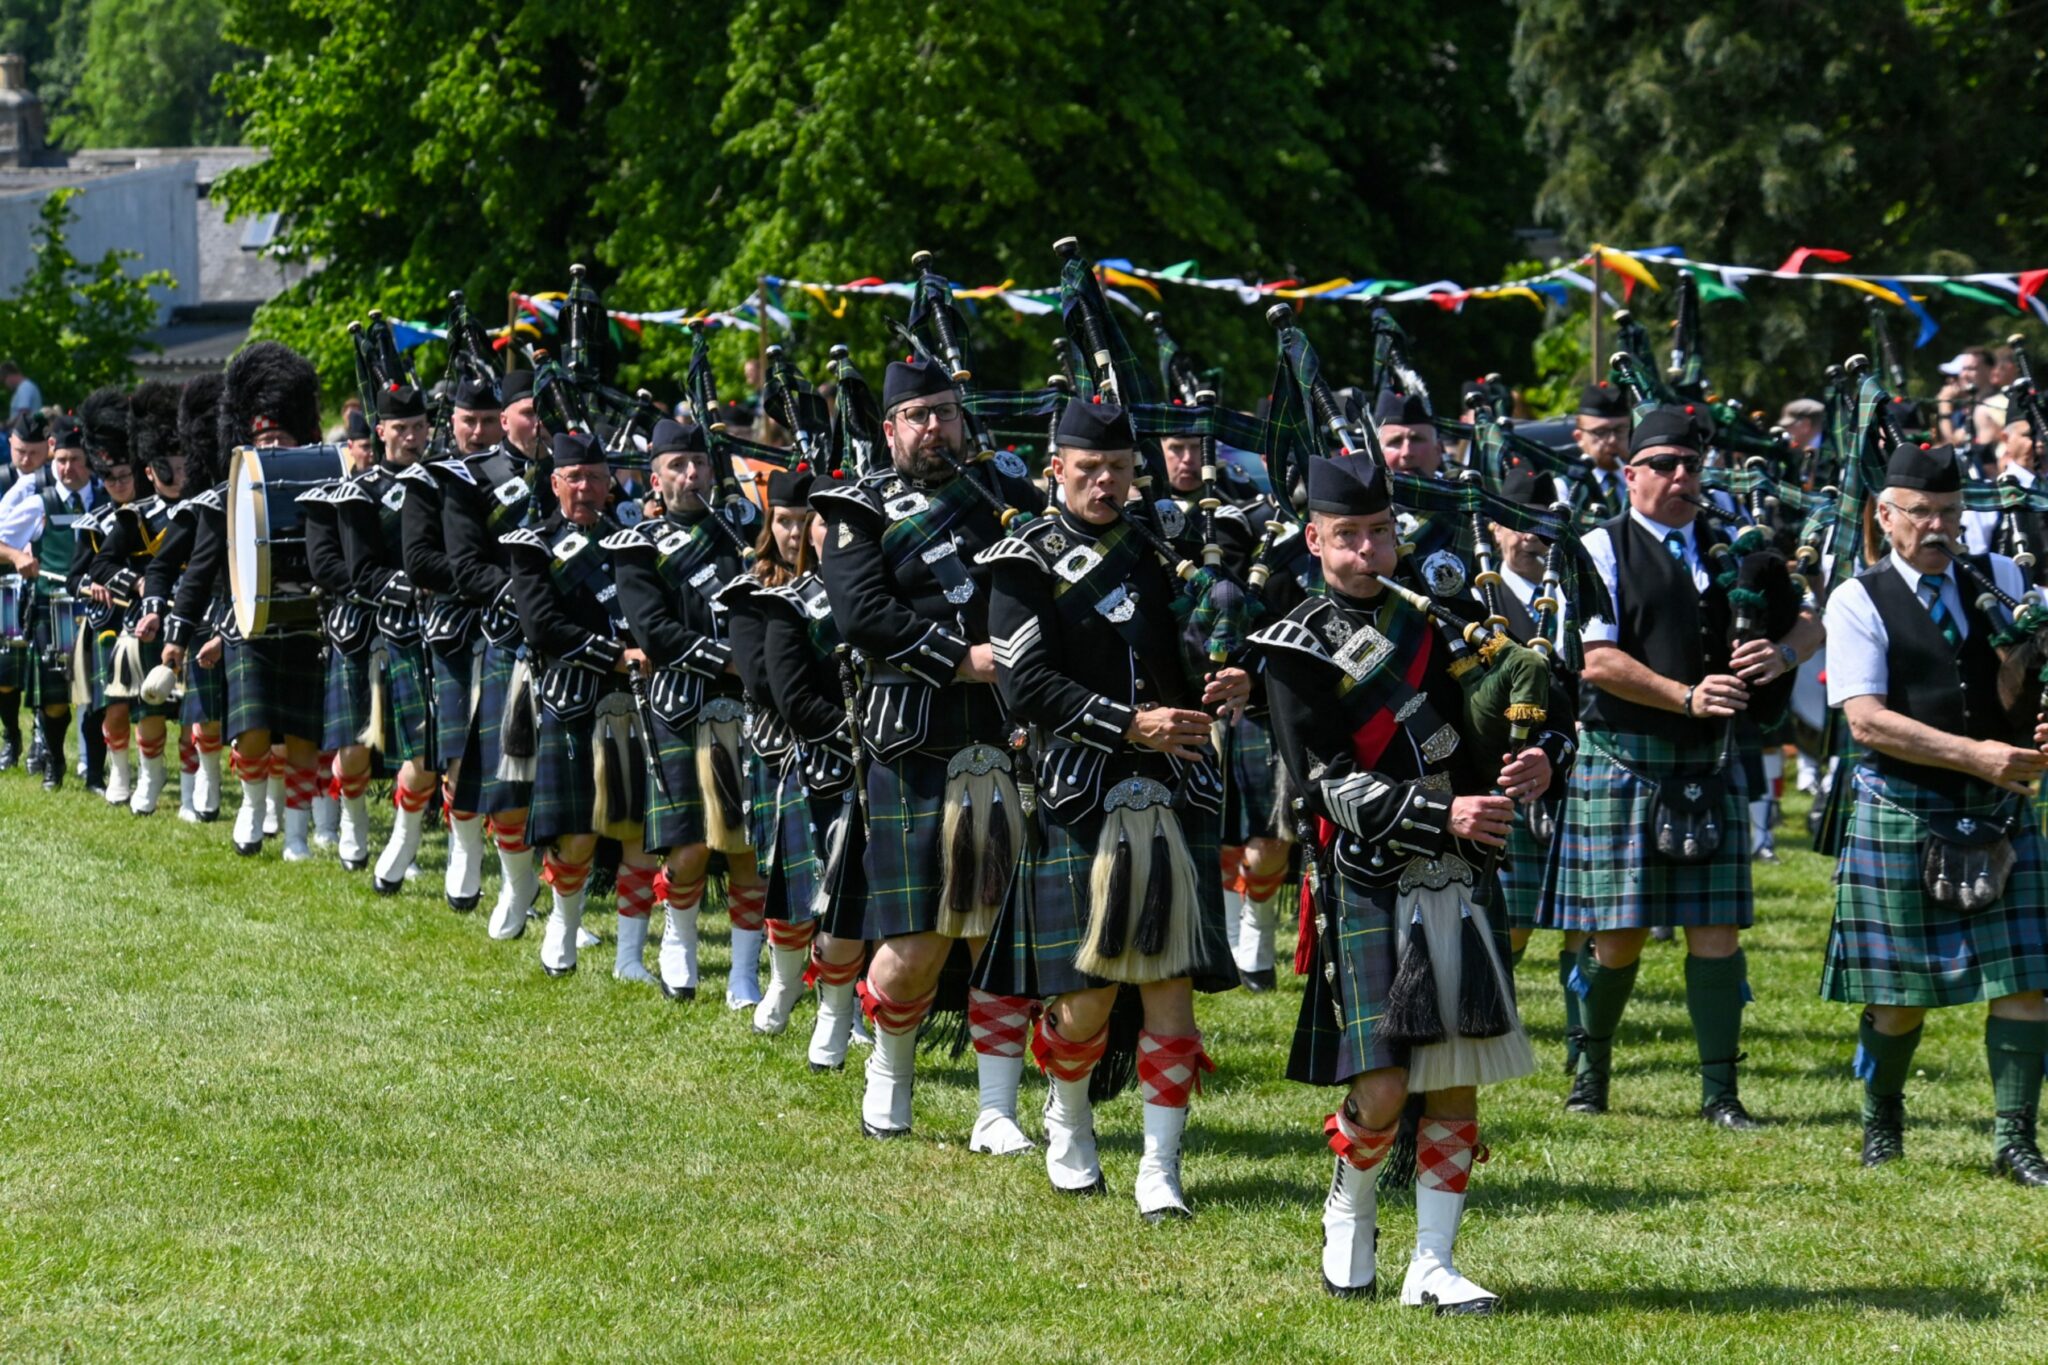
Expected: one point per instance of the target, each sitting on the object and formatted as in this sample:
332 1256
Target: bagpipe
380 366
855 433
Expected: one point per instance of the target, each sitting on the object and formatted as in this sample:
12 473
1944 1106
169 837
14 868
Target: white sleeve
21 517
1600 549
2008 577
1857 645
1978 528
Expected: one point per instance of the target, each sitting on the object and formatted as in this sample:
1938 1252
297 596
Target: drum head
248 542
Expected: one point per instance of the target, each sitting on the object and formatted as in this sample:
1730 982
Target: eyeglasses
937 412
1613 433
1927 514
1668 465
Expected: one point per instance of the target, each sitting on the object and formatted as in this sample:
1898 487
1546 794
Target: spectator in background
2004 368
1969 381
26 396
1801 419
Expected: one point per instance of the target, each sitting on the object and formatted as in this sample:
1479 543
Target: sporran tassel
519 729
1482 1011
1158 906
1413 1016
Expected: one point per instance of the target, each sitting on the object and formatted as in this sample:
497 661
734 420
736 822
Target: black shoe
1258 982
1589 1091
1884 1131
347 864
569 970
679 994
2020 1160
10 752
462 905
815 1066
882 1134
53 773
1370 1289
384 888
1727 1112
1471 1308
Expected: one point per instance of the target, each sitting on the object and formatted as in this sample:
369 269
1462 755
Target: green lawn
254 1110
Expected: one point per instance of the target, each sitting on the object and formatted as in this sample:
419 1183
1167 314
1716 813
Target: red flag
2030 282
1805 253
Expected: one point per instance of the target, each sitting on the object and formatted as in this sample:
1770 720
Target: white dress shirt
1857 641
1600 548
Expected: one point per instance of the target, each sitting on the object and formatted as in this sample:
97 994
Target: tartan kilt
14 667
346 710
1044 920
1889 945
846 903
275 683
1523 872
906 819
1335 1037
410 695
564 780
477 784
677 819
447 709
1252 783
1606 875
789 850
206 692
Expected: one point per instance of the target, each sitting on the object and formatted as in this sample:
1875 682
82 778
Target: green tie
1930 593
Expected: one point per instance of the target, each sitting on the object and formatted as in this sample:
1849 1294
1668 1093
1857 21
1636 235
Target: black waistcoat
1666 623
1953 689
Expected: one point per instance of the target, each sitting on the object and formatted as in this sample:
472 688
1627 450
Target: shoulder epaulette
454 469
1013 547
524 538
1288 633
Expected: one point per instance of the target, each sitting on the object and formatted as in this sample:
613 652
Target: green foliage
1905 133
831 141
147 77
73 324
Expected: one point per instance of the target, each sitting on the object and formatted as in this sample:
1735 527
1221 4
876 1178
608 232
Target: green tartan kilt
1044 921
1889 945
346 710
275 683
900 863
677 819
15 661
409 705
477 785
1607 877
1335 1037
1523 872
104 644
206 692
447 708
788 843
564 780
1252 783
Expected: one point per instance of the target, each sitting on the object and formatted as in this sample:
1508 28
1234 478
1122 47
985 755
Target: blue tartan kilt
206 692
409 705
477 785
1043 923
564 780
786 841
675 820
448 708
1607 876
901 859
1523 872
1251 806
275 683
346 712
1335 1037
1890 944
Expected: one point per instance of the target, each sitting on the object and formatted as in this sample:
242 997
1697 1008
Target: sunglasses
1670 464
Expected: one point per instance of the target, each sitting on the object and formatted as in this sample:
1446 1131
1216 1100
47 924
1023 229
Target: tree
1904 133
147 77
827 140
73 324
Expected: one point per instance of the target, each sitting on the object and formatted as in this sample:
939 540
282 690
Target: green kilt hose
1044 921
206 691
345 712
677 819
1251 783
275 683
448 706
789 857
1890 945
1608 877
477 785
409 729
1327 1051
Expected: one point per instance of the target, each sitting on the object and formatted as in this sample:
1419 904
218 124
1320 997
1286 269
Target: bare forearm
1620 674
1897 735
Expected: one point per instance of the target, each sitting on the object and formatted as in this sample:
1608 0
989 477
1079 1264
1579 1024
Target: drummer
28 446
272 402
36 541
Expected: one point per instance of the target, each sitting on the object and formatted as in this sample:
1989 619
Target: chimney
21 115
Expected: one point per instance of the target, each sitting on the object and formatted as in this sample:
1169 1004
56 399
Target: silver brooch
1137 793
1171 520
1440 745
1444 573
978 760
1010 465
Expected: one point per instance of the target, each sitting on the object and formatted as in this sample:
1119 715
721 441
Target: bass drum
272 587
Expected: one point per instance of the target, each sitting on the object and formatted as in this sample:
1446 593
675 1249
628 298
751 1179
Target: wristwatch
1790 656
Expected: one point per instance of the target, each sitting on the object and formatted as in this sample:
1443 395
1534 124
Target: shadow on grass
1742 1300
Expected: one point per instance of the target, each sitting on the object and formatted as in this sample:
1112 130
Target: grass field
251 1110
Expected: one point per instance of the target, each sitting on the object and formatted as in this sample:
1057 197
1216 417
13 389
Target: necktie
71 504
1930 593
1675 542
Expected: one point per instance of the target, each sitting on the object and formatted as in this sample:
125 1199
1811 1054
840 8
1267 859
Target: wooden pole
1599 360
